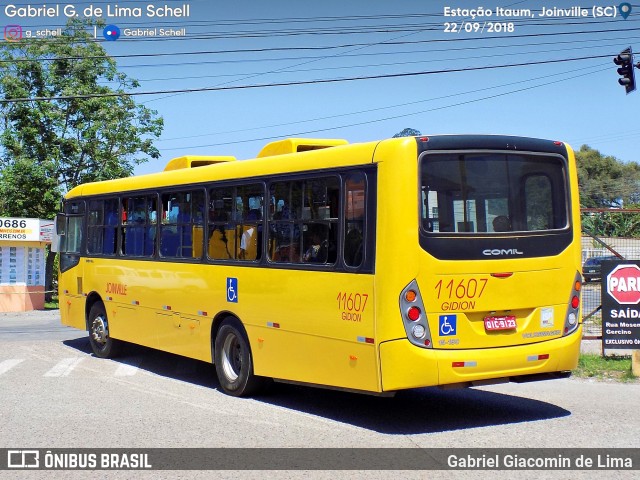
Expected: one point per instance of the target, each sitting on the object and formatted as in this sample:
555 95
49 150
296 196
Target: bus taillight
413 314
575 301
410 296
413 318
573 307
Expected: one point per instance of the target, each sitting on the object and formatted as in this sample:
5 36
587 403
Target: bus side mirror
59 230
61 224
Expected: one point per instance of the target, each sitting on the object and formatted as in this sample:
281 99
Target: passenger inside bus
501 224
318 250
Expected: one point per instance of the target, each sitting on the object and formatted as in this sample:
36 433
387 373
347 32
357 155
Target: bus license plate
492 324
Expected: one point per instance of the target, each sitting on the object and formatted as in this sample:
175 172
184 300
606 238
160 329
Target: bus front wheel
233 361
102 344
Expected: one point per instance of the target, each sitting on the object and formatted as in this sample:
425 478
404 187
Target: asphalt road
55 394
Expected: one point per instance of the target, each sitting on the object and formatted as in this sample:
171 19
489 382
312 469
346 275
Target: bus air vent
193 161
295 145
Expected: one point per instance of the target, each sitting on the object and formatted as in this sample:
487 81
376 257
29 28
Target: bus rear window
492 192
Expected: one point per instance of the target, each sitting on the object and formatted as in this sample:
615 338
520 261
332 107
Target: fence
605 233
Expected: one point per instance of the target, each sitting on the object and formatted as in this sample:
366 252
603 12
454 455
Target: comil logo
502 251
13 33
23 459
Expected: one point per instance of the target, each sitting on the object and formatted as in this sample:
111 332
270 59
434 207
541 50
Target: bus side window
249 205
111 210
134 227
192 231
354 215
95 222
284 232
182 224
102 226
176 210
221 235
301 226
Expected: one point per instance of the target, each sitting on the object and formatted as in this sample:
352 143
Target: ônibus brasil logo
623 284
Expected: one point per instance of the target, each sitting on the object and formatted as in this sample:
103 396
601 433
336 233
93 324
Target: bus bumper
404 365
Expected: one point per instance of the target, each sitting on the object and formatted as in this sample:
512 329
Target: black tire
234 362
102 344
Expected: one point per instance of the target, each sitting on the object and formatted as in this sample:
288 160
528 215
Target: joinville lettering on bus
116 288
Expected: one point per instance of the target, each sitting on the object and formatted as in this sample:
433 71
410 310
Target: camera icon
13 33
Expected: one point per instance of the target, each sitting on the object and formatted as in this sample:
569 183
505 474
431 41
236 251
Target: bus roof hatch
294 145
193 161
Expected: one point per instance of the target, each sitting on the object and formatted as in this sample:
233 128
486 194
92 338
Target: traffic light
625 61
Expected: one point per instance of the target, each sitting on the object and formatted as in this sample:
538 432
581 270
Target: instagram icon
12 33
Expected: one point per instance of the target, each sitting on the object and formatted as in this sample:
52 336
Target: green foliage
613 223
407 132
604 368
605 181
28 189
48 147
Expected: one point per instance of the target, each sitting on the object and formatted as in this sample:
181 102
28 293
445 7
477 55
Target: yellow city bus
373 267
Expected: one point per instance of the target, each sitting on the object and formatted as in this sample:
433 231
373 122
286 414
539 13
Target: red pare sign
623 284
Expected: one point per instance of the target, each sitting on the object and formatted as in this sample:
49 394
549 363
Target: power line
449 49
345 55
266 21
413 62
246 77
341 31
300 64
297 122
519 21
307 82
268 49
367 122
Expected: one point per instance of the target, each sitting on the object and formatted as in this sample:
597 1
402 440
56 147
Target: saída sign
621 304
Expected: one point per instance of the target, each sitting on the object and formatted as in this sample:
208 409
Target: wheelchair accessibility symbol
447 325
232 290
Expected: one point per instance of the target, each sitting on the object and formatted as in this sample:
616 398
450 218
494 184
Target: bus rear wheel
102 344
234 362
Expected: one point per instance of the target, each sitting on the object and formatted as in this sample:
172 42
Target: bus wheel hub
99 330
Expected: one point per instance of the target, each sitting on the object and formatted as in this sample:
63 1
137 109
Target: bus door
70 242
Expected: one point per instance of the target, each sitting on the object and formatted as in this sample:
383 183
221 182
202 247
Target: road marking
128 369
9 364
64 367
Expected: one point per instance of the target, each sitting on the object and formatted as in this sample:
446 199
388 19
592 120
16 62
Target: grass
591 365
53 304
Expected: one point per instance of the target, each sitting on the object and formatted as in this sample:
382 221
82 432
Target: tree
614 223
49 146
605 181
407 132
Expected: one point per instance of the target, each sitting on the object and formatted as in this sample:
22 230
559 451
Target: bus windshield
492 193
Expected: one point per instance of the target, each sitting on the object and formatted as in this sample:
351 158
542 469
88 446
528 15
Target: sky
509 70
